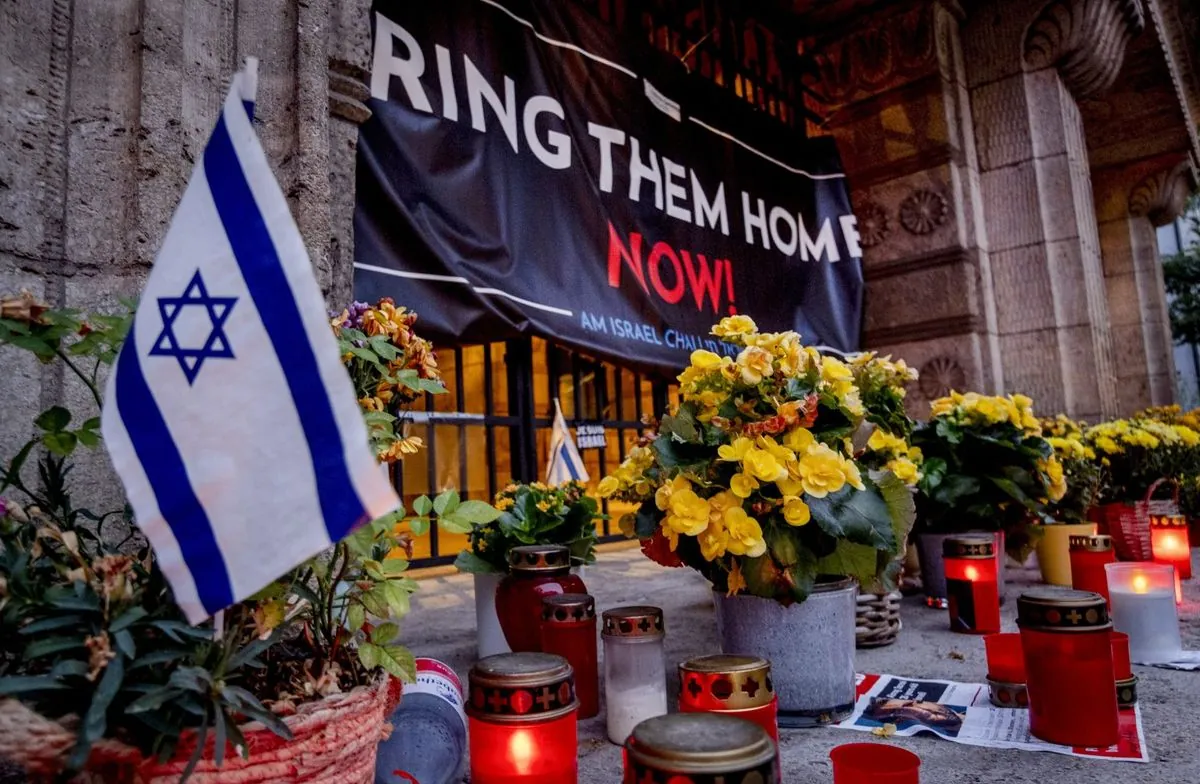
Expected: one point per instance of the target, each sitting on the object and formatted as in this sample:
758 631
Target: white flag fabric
229 416
565 462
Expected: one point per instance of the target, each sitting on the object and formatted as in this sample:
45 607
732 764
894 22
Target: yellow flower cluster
720 524
902 460
1052 467
871 371
975 409
1113 438
630 477
1172 415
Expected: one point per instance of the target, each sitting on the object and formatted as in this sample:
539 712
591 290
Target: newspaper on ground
1180 660
962 712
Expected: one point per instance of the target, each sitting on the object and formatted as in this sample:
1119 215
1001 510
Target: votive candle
1143 606
972 583
1169 543
1089 556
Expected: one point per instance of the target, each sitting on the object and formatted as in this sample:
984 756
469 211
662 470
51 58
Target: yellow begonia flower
795 511
736 582
714 541
735 326
1054 472
853 475
883 441
821 471
745 534
742 485
735 452
789 485
608 487
705 360
905 470
780 453
763 466
662 496
754 364
688 513
941 407
799 440
792 359
835 371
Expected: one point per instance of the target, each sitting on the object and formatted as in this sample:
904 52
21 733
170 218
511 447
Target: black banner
529 171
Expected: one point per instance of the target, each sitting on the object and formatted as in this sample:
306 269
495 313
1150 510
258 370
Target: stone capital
348 92
1085 40
1161 197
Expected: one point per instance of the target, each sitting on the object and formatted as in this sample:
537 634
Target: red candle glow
732 685
569 631
534 572
1089 554
1069 667
972 583
874 763
1123 670
522 713
1005 659
1169 543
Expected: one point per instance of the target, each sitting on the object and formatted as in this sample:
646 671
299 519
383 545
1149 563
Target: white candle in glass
1142 597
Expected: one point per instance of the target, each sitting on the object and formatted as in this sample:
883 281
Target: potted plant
752 481
98 663
528 514
986 468
1138 456
1068 516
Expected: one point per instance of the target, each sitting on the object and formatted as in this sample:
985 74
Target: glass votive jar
699 747
534 572
569 631
733 685
1006 670
1068 667
874 763
522 715
1143 606
1169 543
635 673
972 583
1123 670
1089 556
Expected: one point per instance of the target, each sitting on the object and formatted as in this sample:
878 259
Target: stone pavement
442 625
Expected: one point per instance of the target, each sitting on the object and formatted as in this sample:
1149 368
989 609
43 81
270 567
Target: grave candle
874 763
1006 670
1169 543
699 747
1089 556
972 583
1143 606
1123 670
738 686
522 713
569 630
635 674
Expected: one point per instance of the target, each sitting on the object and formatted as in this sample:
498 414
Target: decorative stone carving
1162 197
922 211
873 224
940 376
348 92
885 52
1085 40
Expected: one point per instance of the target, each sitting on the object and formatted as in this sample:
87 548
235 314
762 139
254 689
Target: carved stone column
1028 63
1130 202
901 117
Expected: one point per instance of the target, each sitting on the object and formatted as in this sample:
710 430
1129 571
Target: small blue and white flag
229 416
565 462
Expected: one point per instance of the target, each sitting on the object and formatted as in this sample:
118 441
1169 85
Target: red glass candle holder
731 685
1123 670
522 715
569 631
1089 554
699 747
535 572
1006 670
874 763
1169 543
972 583
1069 667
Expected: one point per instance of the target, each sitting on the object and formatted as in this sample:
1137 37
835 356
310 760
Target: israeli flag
565 462
229 416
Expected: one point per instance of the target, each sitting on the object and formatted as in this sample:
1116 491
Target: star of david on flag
229 416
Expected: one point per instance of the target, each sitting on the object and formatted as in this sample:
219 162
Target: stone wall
106 107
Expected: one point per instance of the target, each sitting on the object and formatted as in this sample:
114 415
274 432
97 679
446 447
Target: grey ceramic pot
810 646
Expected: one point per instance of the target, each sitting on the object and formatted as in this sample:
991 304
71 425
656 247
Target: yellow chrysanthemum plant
1135 453
1080 469
752 478
986 466
881 383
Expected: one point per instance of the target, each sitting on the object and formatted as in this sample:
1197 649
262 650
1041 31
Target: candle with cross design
972 583
700 748
569 630
523 723
1169 544
1069 666
732 685
635 675
535 572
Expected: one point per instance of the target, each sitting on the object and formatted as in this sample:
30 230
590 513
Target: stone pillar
1130 202
1028 64
896 97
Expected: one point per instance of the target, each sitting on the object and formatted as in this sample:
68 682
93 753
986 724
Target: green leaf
453 523
356 616
396 596
53 419
88 438
471 563
375 602
51 646
423 506
385 633
125 644
153 700
13 471
125 619
95 722
394 566
28 684
857 516
478 512
850 560
394 659
647 520
158 657
446 502
219 740
60 443
49 624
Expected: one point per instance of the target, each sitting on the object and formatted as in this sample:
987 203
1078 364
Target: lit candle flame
1140 584
520 752
972 573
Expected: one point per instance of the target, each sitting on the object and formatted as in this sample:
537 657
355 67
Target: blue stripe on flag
566 458
272 295
164 469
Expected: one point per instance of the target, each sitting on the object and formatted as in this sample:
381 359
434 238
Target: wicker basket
877 622
1129 524
334 742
